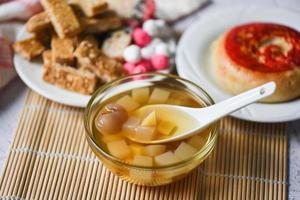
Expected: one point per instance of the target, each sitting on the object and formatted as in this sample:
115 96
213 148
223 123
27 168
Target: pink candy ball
145 63
160 62
139 69
129 67
141 37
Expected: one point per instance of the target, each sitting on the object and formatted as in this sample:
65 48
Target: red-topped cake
251 54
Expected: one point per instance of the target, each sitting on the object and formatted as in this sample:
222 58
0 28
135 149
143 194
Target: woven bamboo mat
50 159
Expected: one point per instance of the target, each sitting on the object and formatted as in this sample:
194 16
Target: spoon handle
232 104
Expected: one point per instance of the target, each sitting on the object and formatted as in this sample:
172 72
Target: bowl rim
120 161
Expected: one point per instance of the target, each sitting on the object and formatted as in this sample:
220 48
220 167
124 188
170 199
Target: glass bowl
156 175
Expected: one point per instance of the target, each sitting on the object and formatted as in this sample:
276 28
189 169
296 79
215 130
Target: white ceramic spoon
197 119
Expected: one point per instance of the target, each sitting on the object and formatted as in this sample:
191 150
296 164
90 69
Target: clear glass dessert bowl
148 175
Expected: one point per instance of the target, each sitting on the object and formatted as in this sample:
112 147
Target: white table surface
12 100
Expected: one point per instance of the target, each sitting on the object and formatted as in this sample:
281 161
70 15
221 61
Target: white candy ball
147 52
162 49
155 41
172 46
150 27
132 54
160 23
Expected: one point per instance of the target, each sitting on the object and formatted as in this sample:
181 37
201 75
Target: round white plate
31 73
193 56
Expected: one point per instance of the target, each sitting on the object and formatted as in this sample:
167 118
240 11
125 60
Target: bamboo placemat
50 159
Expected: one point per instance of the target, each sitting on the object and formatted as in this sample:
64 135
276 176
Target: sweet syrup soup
119 119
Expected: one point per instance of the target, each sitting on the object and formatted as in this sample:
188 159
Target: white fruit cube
128 160
145 161
112 137
128 103
174 101
141 95
196 141
141 176
150 119
119 149
154 150
167 158
136 149
165 127
159 96
184 151
178 99
130 125
144 133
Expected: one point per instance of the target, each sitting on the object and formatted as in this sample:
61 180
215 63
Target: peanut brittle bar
29 48
62 17
38 22
47 57
87 51
70 78
100 24
108 69
63 50
90 8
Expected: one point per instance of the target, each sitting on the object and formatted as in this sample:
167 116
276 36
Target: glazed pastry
114 46
251 54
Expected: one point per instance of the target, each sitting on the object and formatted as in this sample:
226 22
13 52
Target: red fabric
149 10
5 54
33 5
4 1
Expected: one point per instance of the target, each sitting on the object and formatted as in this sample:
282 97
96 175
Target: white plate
193 56
31 73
